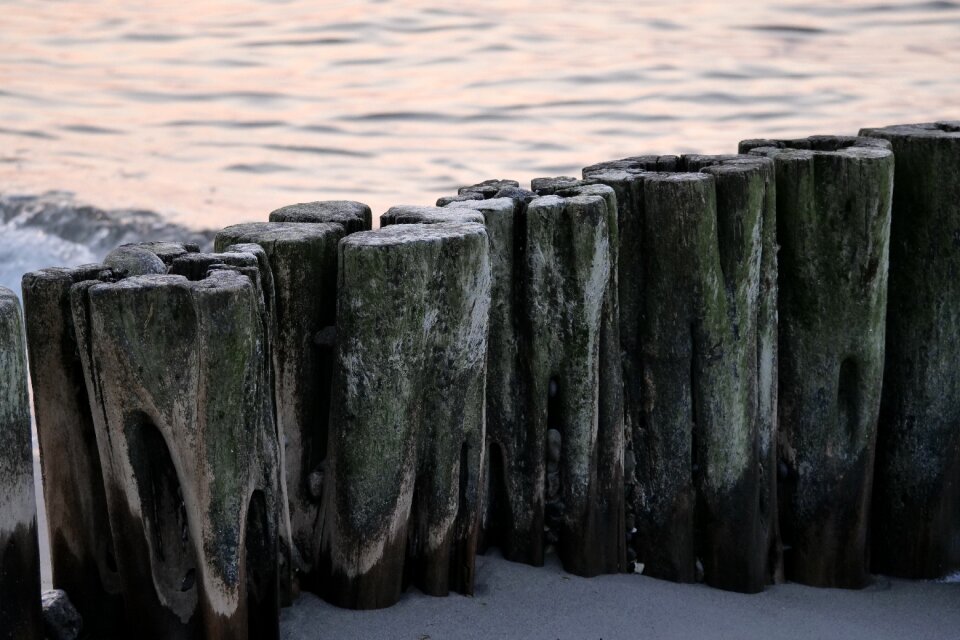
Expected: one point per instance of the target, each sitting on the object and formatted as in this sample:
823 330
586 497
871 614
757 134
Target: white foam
28 249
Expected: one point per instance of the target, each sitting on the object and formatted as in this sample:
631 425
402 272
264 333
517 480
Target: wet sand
516 601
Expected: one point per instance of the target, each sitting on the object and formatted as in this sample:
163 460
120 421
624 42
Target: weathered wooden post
527 490
833 227
354 216
303 264
177 372
606 534
916 503
402 484
82 554
19 555
508 514
738 509
81 543
698 337
569 269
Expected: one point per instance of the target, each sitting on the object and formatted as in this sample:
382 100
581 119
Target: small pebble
60 619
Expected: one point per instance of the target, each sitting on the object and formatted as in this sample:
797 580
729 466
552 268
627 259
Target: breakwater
674 365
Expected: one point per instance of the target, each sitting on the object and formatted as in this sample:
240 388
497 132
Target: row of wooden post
690 367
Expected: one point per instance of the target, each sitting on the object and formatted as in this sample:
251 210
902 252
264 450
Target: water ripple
220 111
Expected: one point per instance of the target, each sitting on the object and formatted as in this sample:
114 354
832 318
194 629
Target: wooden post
738 514
698 338
81 543
574 384
916 504
354 216
19 554
402 486
302 262
508 510
177 373
607 532
833 227
524 489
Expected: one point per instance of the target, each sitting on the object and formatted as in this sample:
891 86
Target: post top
488 188
943 129
492 205
411 234
415 214
805 148
691 177
218 280
323 211
280 231
650 162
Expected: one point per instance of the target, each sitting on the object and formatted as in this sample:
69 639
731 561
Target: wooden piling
19 554
302 262
176 370
916 493
697 274
833 228
508 514
569 270
606 529
403 482
81 543
526 503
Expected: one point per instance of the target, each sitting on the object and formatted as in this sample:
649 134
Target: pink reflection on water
221 111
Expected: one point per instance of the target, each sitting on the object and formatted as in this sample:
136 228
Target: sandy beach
517 601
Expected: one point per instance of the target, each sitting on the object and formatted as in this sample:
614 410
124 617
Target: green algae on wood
302 260
19 554
916 494
403 482
508 513
177 374
582 514
572 376
738 509
833 227
602 537
697 273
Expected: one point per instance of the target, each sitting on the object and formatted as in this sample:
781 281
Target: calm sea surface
215 112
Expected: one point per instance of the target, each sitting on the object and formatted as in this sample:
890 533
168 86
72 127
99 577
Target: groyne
734 369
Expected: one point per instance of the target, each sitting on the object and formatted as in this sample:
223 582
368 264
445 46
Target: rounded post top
413 234
347 212
949 129
257 232
861 147
414 214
